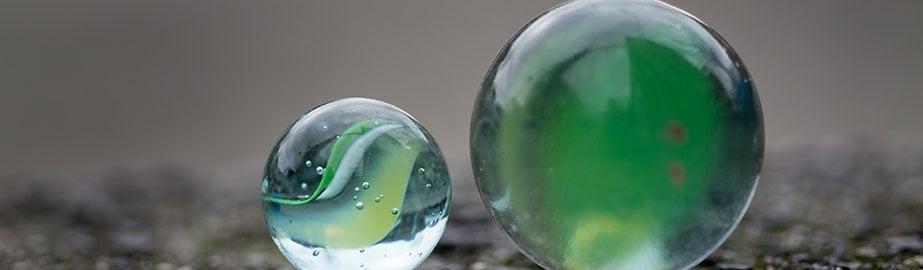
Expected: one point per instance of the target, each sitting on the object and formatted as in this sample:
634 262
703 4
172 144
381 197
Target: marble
617 134
356 184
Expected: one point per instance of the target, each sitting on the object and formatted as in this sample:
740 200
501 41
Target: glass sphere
617 134
356 184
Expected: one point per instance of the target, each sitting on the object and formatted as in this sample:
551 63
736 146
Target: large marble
617 134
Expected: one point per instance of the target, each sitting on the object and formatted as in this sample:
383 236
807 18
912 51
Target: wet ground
823 203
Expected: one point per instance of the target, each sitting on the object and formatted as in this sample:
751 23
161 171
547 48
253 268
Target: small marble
343 188
617 134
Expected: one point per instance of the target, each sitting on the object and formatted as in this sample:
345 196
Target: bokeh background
88 87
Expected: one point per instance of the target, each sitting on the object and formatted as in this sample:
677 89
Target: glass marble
356 184
617 134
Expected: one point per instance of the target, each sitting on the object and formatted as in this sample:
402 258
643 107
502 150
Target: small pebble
866 252
915 260
478 266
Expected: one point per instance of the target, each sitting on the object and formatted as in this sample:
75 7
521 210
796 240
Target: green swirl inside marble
347 149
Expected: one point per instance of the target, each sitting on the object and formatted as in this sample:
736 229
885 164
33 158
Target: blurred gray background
86 86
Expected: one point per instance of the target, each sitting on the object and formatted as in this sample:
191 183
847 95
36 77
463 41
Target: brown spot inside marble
677 173
676 132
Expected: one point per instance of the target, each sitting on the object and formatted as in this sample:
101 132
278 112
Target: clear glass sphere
617 134
356 184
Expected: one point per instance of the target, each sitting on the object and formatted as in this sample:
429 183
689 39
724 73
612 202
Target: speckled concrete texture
822 203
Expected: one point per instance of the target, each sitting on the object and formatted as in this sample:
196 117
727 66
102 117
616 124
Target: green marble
617 134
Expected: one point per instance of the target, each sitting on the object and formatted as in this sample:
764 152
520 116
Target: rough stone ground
827 203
